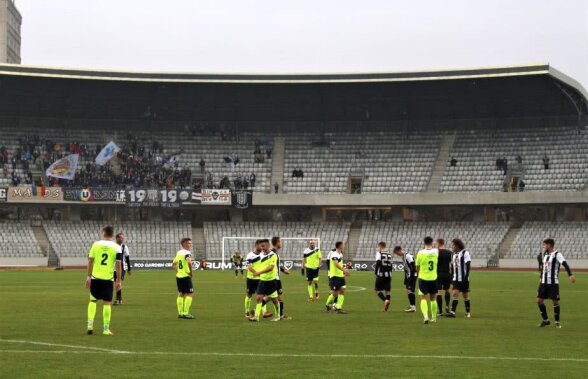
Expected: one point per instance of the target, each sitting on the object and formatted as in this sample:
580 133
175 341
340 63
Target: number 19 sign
171 198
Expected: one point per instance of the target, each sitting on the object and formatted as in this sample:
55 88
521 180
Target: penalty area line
286 355
88 348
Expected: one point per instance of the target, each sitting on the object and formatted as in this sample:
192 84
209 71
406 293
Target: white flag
107 153
64 168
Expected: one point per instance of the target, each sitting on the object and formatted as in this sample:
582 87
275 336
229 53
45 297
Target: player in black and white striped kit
410 276
461 265
383 272
549 264
126 265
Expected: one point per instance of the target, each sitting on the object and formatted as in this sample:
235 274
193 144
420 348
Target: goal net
292 248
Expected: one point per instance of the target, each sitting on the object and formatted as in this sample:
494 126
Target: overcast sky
305 35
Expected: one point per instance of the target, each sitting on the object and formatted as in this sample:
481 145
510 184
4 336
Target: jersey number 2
104 258
431 265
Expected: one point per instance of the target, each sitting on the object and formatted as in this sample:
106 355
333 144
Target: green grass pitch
42 331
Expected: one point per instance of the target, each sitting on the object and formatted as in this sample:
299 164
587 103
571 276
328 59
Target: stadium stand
481 239
571 239
476 152
18 240
387 161
329 233
145 239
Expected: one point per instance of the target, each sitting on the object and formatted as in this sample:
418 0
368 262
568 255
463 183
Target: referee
126 265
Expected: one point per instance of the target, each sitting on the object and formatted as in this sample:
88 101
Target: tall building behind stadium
496 156
10 40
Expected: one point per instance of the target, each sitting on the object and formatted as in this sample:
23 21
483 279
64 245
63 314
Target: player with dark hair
267 274
103 260
443 276
551 261
337 274
383 272
237 260
461 265
426 265
311 263
126 264
253 264
410 276
182 264
276 246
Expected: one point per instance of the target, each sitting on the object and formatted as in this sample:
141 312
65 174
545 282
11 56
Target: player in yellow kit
426 265
105 256
183 266
312 263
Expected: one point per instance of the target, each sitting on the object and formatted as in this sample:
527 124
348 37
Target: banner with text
169 198
33 194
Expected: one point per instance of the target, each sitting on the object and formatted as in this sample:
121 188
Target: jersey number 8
180 265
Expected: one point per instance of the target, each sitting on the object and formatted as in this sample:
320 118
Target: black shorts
311 274
185 285
427 287
122 275
336 283
252 285
443 281
548 291
279 286
410 282
238 266
463 286
266 287
101 289
383 284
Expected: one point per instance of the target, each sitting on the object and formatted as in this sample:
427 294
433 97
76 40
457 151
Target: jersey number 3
431 265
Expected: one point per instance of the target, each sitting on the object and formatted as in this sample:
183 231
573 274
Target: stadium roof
509 91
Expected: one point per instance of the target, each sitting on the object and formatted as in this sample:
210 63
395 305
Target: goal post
292 247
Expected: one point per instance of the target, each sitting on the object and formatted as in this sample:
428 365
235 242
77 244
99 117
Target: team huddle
431 273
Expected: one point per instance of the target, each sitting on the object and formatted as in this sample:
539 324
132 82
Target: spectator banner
242 198
150 264
169 198
33 194
107 153
3 194
197 196
90 194
64 168
216 197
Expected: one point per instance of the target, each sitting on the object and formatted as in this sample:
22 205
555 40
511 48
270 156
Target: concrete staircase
440 163
198 243
45 245
504 246
353 241
278 156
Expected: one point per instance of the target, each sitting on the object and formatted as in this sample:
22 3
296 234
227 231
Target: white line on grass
70 346
92 350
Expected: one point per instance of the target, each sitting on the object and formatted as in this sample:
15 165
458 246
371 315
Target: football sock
91 313
236 272
187 304
388 297
316 286
556 312
281 308
247 303
310 291
264 308
258 310
454 305
329 299
424 308
335 299
439 303
447 299
277 308
340 301
467 305
411 299
106 310
180 304
543 310
381 296
434 309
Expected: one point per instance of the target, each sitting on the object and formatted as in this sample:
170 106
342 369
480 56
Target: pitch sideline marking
96 350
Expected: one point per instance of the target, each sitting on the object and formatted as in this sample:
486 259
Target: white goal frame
224 252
